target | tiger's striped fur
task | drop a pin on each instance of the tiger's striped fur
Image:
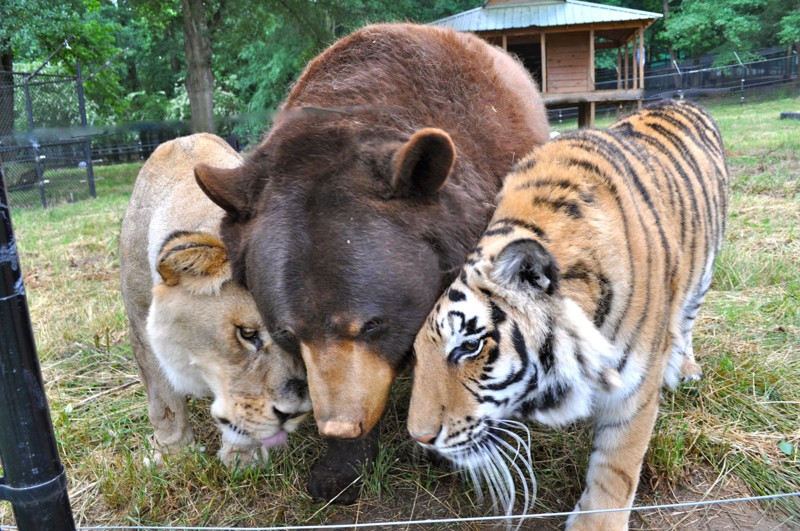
(580, 298)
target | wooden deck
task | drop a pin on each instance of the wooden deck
(587, 101)
(570, 99)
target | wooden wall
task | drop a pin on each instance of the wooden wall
(568, 60)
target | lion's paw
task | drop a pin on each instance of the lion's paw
(176, 443)
(240, 457)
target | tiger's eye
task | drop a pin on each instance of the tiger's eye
(471, 345)
(467, 349)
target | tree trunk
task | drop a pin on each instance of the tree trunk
(6, 91)
(199, 77)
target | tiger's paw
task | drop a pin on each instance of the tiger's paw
(691, 371)
(338, 476)
(615, 521)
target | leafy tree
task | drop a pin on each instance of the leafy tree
(263, 53)
(33, 29)
(699, 27)
(788, 25)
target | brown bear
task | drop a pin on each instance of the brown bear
(361, 204)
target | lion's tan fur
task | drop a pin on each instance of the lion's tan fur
(186, 314)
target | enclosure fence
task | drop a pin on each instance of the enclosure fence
(44, 149)
(509, 519)
(703, 77)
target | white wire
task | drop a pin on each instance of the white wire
(438, 521)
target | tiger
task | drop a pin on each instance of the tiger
(579, 300)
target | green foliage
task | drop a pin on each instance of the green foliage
(789, 27)
(32, 30)
(261, 46)
(698, 27)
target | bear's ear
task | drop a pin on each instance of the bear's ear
(196, 260)
(525, 263)
(227, 187)
(421, 165)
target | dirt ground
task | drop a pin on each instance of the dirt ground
(706, 485)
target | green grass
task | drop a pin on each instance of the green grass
(739, 427)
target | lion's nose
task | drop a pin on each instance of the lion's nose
(283, 416)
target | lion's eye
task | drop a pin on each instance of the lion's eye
(467, 349)
(250, 335)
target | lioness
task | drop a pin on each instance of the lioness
(193, 330)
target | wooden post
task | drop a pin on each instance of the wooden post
(619, 68)
(635, 58)
(544, 63)
(505, 42)
(627, 80)
(586, 114)
(641, 57)
(591, 61)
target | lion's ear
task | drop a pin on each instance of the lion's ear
(422, 165)
(196, 260)
(227, 187)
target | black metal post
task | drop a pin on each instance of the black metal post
(87, 149)
(34, 143)
(35, 482)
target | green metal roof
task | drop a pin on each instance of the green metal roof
(541, 14)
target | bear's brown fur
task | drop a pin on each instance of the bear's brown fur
(362, 202)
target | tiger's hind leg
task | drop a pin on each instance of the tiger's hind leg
(690, 369)
(682, 366)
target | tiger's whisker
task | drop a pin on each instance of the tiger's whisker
(490, 475)
(526, 501)
(528, 497)
(517, 438)
(499, 455)
(471, 466)
(527, 446)
(504, 485)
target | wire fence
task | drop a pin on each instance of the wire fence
(45, 157)
(767, 71)
(48, 153)
(507, 519)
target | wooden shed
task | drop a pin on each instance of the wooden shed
(557, 41)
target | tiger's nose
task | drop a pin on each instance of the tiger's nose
(425, 438)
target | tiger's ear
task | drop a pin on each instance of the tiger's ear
(227, 187)
(525, 263)
(422, 165)
(196, 260)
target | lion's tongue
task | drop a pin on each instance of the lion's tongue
(275, 440)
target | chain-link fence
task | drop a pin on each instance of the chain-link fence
(44, 151)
